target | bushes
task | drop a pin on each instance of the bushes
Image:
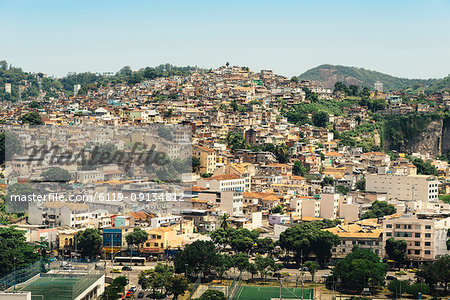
(405, 287)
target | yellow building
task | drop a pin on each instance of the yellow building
(161, 239)
(207, 158)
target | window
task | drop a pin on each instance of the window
(388, 233)
(416, 243)
(417, 227)
(417, 235)
(427, 226)
(417, 252)
(427, 243)
(427, 235)
(427, 252)
(397, 226)
(388, 225)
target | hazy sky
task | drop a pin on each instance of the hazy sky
(404, 38)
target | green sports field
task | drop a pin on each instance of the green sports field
(248, 292)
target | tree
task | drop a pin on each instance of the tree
(56, 174)
(13, 244)
(196, 258)
(327, 181)
(32, 118)
(266, 264)
(224, 263)
(282, 153)
(177, 286)
(353, 90)
(224, 221)
(320, 119)
(158, 279)
(235, 141)
(396, 250)
(379, 209)
(398, 287)
(89, 242)
(417, 288)
(240, 261)
(240, 239)
(299, 169)
(195, 162)
(116, 287)
(359, 269)
(437, 272)
(136, 237)
(4, 65)
(340, 87)
(278, 209)
(312, 268)
(212, 295)
(342, 189)
(361, 185)
(10, 144)
(424, 168)
(307, 238)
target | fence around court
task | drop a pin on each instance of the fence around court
(18, 276)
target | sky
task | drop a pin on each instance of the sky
(405, 38)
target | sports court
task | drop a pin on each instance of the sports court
(248, 292)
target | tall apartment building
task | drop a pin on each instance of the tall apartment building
(420, 189)
(225, 190)
(423, 236)
(207, 158)
(321, 206)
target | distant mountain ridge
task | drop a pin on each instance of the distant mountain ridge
(328, 75)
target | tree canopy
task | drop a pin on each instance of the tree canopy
(307, 238)
(379, 209)
(361, 268)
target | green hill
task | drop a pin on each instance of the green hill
(328, 75)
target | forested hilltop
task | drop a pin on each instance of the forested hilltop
(27, 85)
(328, 75)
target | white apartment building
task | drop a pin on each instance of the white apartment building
(415, 188)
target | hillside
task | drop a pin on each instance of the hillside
(328, 75)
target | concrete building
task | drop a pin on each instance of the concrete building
(229, 201)
(418, 189)
(356, 236)
(423, 236)
(207, 158)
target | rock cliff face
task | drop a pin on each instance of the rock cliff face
(427, 141)
(435, 139)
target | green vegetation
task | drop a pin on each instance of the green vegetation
(379, 209)
(163, 281)
(437, 272)
(396, 250)
(323, 73)
(113, 290)
(56, 174)
(424, 168)
(400, 130)
(89, 242)
(307, 238)
(13, 244)
(361, 268)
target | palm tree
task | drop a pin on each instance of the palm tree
(225, 221)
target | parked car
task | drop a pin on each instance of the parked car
(141, 294)
(127, 268)
(116, 271)
(400, 273)
(133, 288)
